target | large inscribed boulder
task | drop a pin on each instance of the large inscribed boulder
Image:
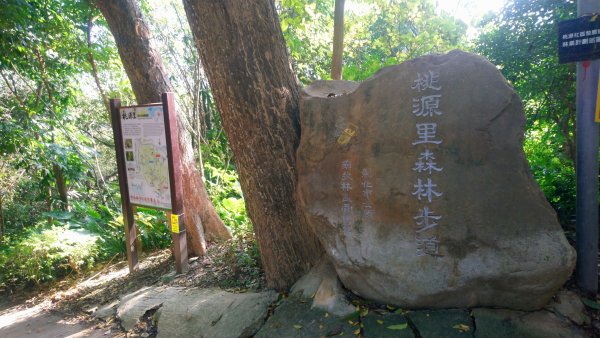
(417, 185)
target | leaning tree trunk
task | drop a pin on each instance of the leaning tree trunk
(244, 55)
(149, 80)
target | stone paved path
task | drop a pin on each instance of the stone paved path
(196, 312)
(295, 318)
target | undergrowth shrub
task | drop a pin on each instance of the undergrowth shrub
(45, 253)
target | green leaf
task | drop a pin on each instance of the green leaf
(297, 326)
(590, 303)
(397, 327)
(462, 327)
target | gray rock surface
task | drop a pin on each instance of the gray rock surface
(453, 323)
(134, 305)
(418, 187)
(214, 313)
(295, 317)
(569, 305)
(506, 323)
(383, 326)
(106, 311)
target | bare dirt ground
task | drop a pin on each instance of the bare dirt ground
(66, 308)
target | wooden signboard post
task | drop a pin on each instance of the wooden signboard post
(149, 168)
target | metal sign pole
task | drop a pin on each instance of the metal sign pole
(128, 220)
(587, 166)
(176, 218)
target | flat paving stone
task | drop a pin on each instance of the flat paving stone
(384, 326)
(492, 323)
(295, 318)
(454, 323)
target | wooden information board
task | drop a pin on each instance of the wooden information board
(149, 167)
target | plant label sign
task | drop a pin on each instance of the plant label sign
(579, 39)
(146, 159)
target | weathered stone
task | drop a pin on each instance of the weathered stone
(134, 305)
(506, 323)
(569, 305)
(322, 285)
(384, 326)
(214, 313)
(296, 318)
(455, 323)
(106, 311)
(420, 191)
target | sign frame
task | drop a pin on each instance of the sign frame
(175, 216)
(579, 39)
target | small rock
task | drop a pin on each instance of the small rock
(91, 310)
(106, 311)
(321, 283)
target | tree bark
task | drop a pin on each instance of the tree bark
(61, 186)
(2, 227)
(338, 40)
(149, 80)
(241, 46)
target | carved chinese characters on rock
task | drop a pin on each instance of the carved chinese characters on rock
(426, 108)
(364, 204)
(346, 187)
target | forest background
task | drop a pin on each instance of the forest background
(59, 197)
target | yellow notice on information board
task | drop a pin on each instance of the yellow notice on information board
(175, 223)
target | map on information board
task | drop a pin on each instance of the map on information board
(146, 160)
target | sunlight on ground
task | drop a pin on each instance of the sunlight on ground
(18, 314)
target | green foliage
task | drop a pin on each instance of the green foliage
(522, 42)
(380, 33)
(45, 253)
(307, 27)
(224, 188)
(556, 179)
(391, 32)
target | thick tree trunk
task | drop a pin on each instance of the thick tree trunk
(149, 80)
(338, 40)
(244, 55)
